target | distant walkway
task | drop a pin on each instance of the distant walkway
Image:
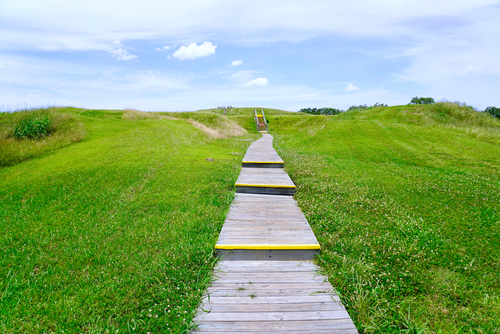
(266, 281)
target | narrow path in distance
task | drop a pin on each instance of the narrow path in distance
(266, 281)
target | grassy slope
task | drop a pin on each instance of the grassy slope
(407, 213)
(115, 232)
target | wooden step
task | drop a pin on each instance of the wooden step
(273, 181)
(266, 227)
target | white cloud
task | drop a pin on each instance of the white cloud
(257, 82)
(193, 51)
(122, 54)
(351, 88)
(237, 62)
(166, 47)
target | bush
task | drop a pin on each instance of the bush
(29, 133)
(422, 100)
(493, 111)
(33, 127)
(321, 111)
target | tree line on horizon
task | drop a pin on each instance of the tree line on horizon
(493, 111)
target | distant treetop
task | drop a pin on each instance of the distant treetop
(493, 111)
(422, 100)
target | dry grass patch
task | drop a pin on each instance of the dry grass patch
(224, 130)
(134, 114)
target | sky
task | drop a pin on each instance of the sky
(163, 55)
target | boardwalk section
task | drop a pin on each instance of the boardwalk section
(266, 227)
(266, 281)
(272, 297)
(262, 154)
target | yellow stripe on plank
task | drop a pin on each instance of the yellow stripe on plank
(263, 185)
(263, 246)
(259, 115)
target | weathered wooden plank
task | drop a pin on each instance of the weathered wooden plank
(264, 176)
(274, 316)
(260, 286)
(283, 331)
(266, 265)
(262, 293)
(296, 299)
(246, 307)
(334, 326)
(263, 255)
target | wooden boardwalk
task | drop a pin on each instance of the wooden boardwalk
(266, 281)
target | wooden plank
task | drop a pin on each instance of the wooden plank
(274, 316)
(296, 299)
(262, 293)
(263, 255)
(207, 331)
(266, 265)
(236, 308)
(333, 326)
(264, 176)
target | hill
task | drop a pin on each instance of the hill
(405, 202)
(114, 229)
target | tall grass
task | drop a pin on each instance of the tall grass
(458, 115)
(29, 133)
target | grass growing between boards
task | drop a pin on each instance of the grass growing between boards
(29, 133)
(115, 233)
(406, 207)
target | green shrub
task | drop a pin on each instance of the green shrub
(321, 111)
(33, 127)
(28, 133)
(422, 100)
(493, 111)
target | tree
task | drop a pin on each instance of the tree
(493, 111)
(422, 100)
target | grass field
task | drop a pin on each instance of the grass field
(405, 202)
(114, 233)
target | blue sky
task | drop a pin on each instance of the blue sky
(161, 55)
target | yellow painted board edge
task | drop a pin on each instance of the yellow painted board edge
(262, 246)
(263, 185)
(259, 115)
(262, 162)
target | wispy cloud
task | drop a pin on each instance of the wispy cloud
(257, 82)
(166, 47)
(122, 54)
(237, 62)
(193, 51)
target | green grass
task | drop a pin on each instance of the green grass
(116, 232)
(30, 133)
(405, 202)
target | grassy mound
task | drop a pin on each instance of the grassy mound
(25, 134)
(117, 232)
(405, 202)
